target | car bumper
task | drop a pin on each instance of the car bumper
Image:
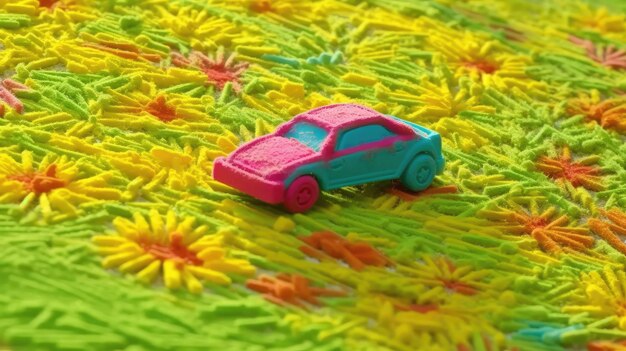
(253, 185)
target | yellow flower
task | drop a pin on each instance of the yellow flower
(553, 230)
(601, 294)
(402, 325)
(443, 98)
(599, 20)
(54, 183)
(137, 110)
(176, 249)
(440, 271)
(485, 61)
(179, 170)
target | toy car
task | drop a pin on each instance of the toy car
(331, 147)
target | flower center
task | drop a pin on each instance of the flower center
(419, 308)
(220, 75)
(482, 66)
(535, 223)
(572, 171)
(161, 110)
(47, 3)
(176, 250)
(40, 183)
(261, 6)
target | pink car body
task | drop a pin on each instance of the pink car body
(265, 167)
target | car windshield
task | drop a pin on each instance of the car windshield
(307, 134)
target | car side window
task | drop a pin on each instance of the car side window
(362, 135)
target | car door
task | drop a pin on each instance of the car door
(364, 154)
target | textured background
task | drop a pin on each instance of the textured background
(113, 235)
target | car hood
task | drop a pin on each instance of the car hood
(270, 155)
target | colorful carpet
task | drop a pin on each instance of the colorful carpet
(114, 236)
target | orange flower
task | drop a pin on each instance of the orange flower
(610, 231)
(551, 232)
(356, 254)
(577, 173)
(609, 113)
(290, 289)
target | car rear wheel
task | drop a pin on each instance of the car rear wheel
(302, 194)
(420, 173)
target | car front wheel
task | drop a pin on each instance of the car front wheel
(420, 173)
(302, 194)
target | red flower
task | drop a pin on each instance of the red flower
(608, 56)
(7, 88)
(219, 69)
